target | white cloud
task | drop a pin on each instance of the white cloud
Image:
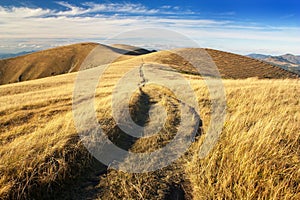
(22, 12)
(105, 8)
(28, 45)
(72, 10)
(166, 7)
(73, 25)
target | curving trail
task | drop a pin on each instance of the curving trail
(167, 183)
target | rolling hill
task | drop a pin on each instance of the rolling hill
(232, 66)
(68, 59)
(60, 60)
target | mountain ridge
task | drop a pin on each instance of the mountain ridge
(70, 58)
(59, 60)
(287, 61)
(12, 55)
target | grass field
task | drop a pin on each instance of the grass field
(256, 157)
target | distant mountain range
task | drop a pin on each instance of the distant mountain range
(288, 61)
(11, 55)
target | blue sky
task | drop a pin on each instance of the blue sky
(265, 26)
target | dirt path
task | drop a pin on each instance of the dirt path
(167, 183)
(179, 187)
(142, 76)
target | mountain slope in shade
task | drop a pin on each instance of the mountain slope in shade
(258, 56)
(59, 60)
(291, 58)
(132, 50)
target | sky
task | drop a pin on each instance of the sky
(256, 26)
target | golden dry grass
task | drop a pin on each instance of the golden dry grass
(234, 66)
(45, 63)
(230, 65)
(257, 156)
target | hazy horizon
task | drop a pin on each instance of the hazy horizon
(148, 47)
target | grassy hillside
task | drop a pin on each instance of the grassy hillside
(256, 157)
(70, 58)
(61, 60)
(237, 67)
(230, 65)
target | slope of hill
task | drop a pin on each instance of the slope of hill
(44, 63)
(230, 65)
(257, 156)
(68, 59)
(59, 60)
(236, 66)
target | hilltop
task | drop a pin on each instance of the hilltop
(68, 59)
(230, 66)
(59, 60)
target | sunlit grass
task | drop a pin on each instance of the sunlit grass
(257, 156)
